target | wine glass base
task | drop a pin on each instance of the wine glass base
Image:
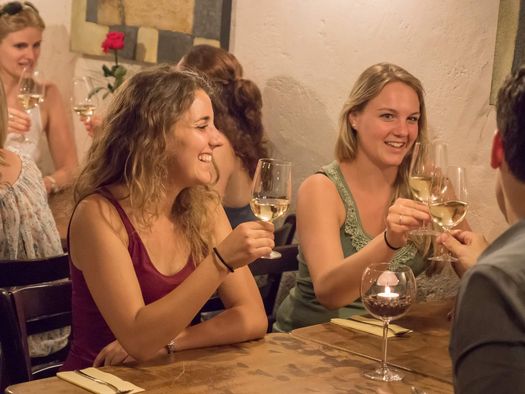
(272, 255)
(384, 374)
(424, 232)
(444, 258)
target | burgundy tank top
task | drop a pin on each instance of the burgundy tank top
(89, 330)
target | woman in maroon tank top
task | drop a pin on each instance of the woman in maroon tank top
(149, 241)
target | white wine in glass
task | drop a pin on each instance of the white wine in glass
(449, 202)
(31, 91)
(271, 191)
(426, 160)
(84, 100)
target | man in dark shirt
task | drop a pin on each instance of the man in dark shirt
(487, 344)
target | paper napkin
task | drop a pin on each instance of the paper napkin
(370, 325)
(98, 388)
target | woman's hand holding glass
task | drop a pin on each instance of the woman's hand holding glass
(271, 191)
(426, 160)
(404, 216)
(31, 92)
(246, 243)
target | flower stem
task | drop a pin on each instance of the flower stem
(116, 57)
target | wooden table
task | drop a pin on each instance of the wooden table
(424, 351)
(279, 363)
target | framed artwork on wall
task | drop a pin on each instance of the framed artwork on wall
(155, 31)
(509, 54)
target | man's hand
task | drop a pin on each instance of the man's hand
(466, 246)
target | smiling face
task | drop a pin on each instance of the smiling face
(388, 125)
(191, 144)
(19, 50)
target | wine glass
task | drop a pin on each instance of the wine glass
(426, 159)
(84, 99)
(271, 191)
(31, 91)
(387, 292)
(449, 202)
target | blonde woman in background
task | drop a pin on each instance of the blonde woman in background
(21, 29)
(27, 227)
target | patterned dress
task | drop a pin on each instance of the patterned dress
(28, 231)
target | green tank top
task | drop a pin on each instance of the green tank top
(301, 308)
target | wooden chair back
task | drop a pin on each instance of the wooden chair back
(29, 310)
(284, 235)
(17, 281)
(274, 269)
(28, 272)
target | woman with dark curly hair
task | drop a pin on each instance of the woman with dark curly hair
(237, 106)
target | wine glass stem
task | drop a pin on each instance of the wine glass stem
(385, 344)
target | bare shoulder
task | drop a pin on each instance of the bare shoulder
(96, 212)
(318, 186)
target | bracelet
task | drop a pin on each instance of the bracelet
(54, 185)
(170, 347)
(222, 260)
(388, 243)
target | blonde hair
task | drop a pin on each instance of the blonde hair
(368, 86)
(27, 16)
(131, 150)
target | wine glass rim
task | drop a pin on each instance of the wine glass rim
(382, 266)
(275, 161)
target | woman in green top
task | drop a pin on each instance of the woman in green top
(357, 210)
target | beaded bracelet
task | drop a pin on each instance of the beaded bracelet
(222, 260)
(388, 243)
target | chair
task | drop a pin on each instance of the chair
(13, 275)
(284, 235)
(28, 310)
(274, 269)
(28, 272)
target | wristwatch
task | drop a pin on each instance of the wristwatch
(170, 347)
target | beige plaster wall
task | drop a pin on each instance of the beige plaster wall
(305, 55)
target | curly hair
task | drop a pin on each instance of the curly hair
(131, 150)
(15, 16)
(237, 104)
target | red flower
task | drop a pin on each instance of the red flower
(114, 40)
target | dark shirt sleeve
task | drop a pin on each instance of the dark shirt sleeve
(487, 348)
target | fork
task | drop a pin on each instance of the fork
(100, 381)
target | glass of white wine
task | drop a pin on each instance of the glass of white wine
(426, 160)
(31, 91)
(271, 191)
(449, 203)
(83, 98)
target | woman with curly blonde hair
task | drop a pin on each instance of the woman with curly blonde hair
(357, 210)
(149, 241)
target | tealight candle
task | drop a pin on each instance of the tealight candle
(388, 294)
